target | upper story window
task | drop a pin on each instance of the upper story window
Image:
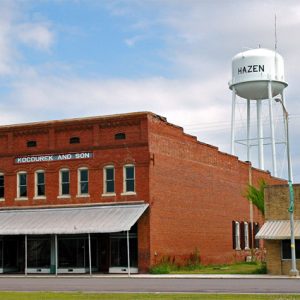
(129, 178)
(64, 182)
(1, 186)
(40, 183)
(120, 136)
(22, 185)
(31, 144)
(109, 179)
(75, 140)
(83, 181)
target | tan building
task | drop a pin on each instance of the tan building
(276, 230)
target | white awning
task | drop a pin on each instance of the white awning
(278, 230)
(75, 220)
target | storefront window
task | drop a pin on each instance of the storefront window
(118, 246)
(73, 252)
(286, 249)
(38, 252)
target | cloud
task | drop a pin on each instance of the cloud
(15, 32)
(35, 35)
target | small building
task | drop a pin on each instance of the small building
(117, 194)
(276, 230)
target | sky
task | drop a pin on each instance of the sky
(67, 59)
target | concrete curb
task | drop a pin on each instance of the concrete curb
(156, 276)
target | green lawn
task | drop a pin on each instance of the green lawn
(88, 296)
(238, 268)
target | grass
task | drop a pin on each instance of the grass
(156, 296)
(237, 268)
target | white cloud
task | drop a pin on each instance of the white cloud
(35, 35)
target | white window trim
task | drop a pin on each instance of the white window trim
(246, 235)
(105, 193)
(36, 196)
(3, 198)
(18, 188)
(60, 184)
(124, 180)
(237, 236)
(79, 194)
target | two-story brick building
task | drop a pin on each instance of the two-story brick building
(76, 195)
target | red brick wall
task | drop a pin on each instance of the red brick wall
(194, 190)
(195, 193)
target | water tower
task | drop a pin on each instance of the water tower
(257, 75)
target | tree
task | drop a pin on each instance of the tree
(256, 195)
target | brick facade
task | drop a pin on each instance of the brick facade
(276, 208)
(194, 190)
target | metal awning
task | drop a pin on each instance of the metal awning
(278, 230)
(92, 219)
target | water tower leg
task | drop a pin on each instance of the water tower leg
(233, 121)
(248, 129)
(260, 135)
(274, 163)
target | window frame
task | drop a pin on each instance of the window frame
(3, 198)
(19, 197)
(61, 195)
(246, 235)
(80, 182)
(125, 179)
(237, 236)
(105, 180)
(288, 245)
(36, 185)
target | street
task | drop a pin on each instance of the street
(151, 285)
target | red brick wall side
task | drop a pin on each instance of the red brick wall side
(195, 193)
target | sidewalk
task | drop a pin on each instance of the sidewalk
(155, 276)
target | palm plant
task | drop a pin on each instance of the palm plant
(256, 195)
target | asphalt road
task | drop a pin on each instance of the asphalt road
(170, 285)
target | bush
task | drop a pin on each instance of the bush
(164, 268)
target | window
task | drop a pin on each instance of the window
(22, 185)
(286, 249)
(1, 186)
(246, 235)
(236, 235)
(64, 178)
(75, 140)
(109, 179)
(129, 178)
(255, 231)
(120, 136)
(83, 181)
(40, 184)
(31, 144)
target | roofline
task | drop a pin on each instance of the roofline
(90, 119)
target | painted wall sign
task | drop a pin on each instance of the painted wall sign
(251, 69)
(54, 157)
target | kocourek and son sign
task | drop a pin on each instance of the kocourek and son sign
(54, 157)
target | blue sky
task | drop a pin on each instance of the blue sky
(64, 59)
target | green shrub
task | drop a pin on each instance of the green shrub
(164, 268)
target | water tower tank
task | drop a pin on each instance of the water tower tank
(253, 69)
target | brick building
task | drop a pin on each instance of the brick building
(79, 195)
(276, 230)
